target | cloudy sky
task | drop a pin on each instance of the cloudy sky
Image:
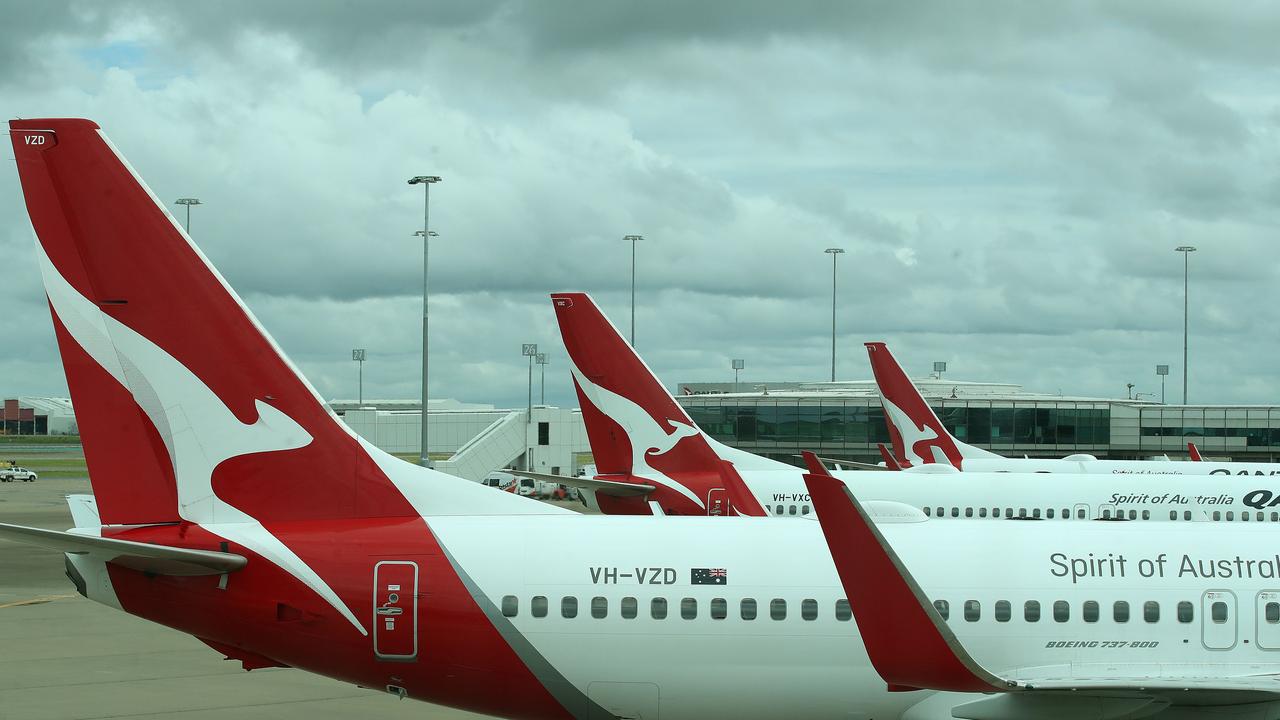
(1009, 181)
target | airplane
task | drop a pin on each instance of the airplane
(1108, 621)
(653, 458)
(231, 504)
(919, 438)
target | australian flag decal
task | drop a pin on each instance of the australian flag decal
(708, 576)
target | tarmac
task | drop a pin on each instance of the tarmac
(63, 657)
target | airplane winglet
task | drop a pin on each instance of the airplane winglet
(907, 640)
(1194, 452)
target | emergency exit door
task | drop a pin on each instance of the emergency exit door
(1218, 619)
(395, 611)
(717, 502)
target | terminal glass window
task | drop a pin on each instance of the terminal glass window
(510, 605)
(658, 608)
(544, 433)
(629, 607)
(599, 607)
(748, 609)
(569, 607)
(538, 606)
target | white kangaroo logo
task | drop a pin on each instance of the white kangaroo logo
(912, 434)
(198, 429)
(648, 438)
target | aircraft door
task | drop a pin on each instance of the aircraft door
(1267, 619)
(717, 502)
(1218, 619)
(1080, 512)
(1107, 511)
(395, 611)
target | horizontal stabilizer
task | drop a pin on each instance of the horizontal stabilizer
(146, 557)
(607, 487)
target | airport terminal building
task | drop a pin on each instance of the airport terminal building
(845, 420)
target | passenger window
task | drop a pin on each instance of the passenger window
(569, 607)
(968, 512)
(1244, 516)
(658, 608)
(748, 609)
(689, 608)
(995, 512)
(1080, 514)
(1061, 611)
(1231, 515)
(944, 608)
(599, 607)
(1260, 516)
(1066, 514)
(510, 605)
(928, 511)
(1217, 516)
(939, 512)
(1031, 611)
(1173, 514)
(955, 512)
(1275, 516)
(804, 509)
(538, 606)
(1186, 514)
(779, 512)
(1218, 611)
(809, 609)
(1146, 514)
(1133, 514)
(844, 613)
(1273, 612)
(1049, 513)
(1186, 612)
(972, 610)
(982, 512)
(1022, 512)
(629, 608)
(1008, 513)
(719, 609)
(1090, 611)
(1036, 513)
(1120, 611)
(1106, 514)
(791, 510)
(778, 609)
(1003, 611)
(1151, 611)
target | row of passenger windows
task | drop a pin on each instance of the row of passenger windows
(629, 608)
(1090, 611)
(1082, 514)
(791, 510)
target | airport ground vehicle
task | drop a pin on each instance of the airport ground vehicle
(498, 479)
(15, 474)
(653, 458)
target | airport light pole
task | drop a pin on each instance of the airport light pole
(1186, 251)
(426, 181)
(834, 252)
(542, 360)
(737, 366)
(358, 356)
(634, 239)
(1163, 372)
(188, 202)
(529, 350)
